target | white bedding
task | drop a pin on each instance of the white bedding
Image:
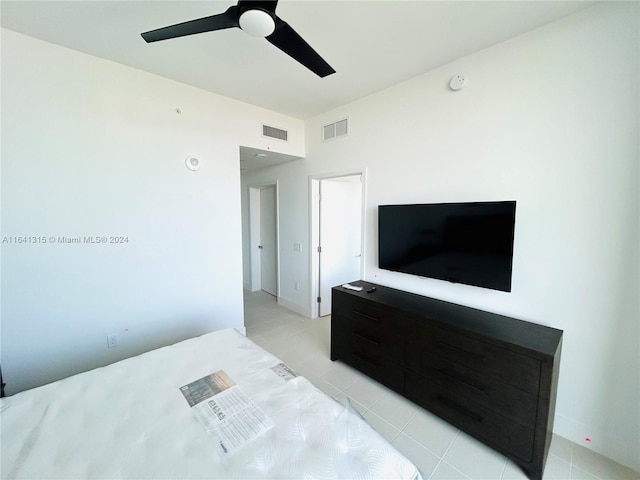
(130, 420)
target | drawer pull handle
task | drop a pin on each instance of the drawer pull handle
(366, 339)
(366, 317)
(459, 408)
(365, 358)
(453, 348)
(460, 379)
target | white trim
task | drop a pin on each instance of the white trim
(293, 306)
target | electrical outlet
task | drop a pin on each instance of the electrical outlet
(113, 340)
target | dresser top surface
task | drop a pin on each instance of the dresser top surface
(537, 340)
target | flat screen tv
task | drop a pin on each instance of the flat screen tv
(469, 243)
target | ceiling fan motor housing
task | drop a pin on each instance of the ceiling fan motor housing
(257, 22)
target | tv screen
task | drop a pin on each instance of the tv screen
(469, 243)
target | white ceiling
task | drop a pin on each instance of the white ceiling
(371, 44)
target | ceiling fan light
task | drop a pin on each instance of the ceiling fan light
(257, 23)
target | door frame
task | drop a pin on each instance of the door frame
(254, 235)
(314, 230)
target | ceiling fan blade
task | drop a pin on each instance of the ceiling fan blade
(268, 5)
(228, 19)
(286, 39)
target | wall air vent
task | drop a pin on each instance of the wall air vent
(335, 130)
(273, 132)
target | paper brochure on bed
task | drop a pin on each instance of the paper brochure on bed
(206, 387)
(225, 411)
(284, 372)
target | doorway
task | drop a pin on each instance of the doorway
(337, 232)
(268, 241)
(264, 241)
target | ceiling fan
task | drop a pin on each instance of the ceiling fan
(257, 18)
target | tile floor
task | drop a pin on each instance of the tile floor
(441, 451)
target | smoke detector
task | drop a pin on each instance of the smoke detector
(458, 82)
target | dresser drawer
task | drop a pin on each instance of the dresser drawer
(363, 312)
(385, 342)
(493, 394)
(475, 419)
(369, 359)
(356, 319)
(509, 367)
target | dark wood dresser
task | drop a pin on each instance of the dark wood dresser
(492, 376)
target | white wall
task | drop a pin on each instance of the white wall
(93, 148)
(549, 119)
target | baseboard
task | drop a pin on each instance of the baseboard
(614, 447)
(249, 288)
(294, 307)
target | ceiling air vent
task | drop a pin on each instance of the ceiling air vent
(273, 132)
(335, 130)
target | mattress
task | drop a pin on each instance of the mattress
(144, 417)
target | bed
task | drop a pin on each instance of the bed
(215, 406)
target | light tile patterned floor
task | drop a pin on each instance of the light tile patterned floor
(440, 451)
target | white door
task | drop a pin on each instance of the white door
(340, 235)
(268, 241)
